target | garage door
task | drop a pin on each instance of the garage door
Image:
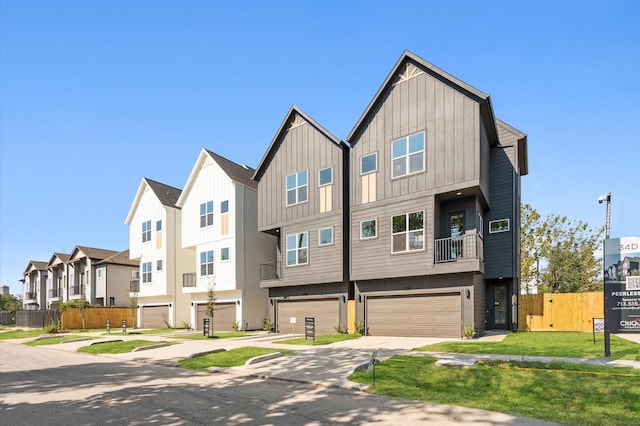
(436, 315)
(224, 315)
(325, 311)
(155, 316)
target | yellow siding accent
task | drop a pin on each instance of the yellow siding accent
(351, 316)
(369, 188)
(158, 240)
(326, 198)
(224, 224)
(560, 311)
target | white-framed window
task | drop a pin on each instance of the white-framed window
(407, 232)
(407, 155)
(480, 225)
(368, 163)
(206, 214)
(224, 207)
(206, 263)
(146, 231)
(325, 236)
(159, 265)
(325, 176)
(500, 225)
(297, 185)
(368, 229)
(224, 254)
(298, 249)
(146, 272)
(158, 225)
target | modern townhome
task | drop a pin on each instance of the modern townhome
(220, 232)
(154, 241)
(302, 202)
(113, 279)
(34, 286)
(57, 280)
(81, 272)
(435, 198)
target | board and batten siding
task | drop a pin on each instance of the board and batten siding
(149, 208)
(452, 127)
(303, 147)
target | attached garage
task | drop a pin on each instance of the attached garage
(432, 315)
(325, 311)
(154, 316)
(224, 315)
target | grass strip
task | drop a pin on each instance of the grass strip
(231, 358)
(118, 347)
(322, 339)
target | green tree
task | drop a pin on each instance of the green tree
(211, 304)
(558, 254)
(10, 303)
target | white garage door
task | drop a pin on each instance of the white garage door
(436, 315)
(325, 311)
(155, 316)
(224, 315)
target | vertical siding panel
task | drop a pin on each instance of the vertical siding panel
(438, 124)
(460, 153)
(448, 136)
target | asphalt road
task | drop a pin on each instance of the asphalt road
(43, 386)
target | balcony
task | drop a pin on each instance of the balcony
(55, 293)
(189, 280)
(453, 249)
(134, 286)
(270, 271)
(77, 290)
(30, 295)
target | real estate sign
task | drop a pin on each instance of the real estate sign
(622, 285)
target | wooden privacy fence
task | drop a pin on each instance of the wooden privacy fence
(37, 319)
(559, 311)
(96, 318)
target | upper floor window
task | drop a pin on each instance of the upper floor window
(407, 232)
(500, 225)
(325, 237)
(298, 249)
(224, 207)
(146, 231)
(159, 225)
(407, 155)
(206, 263)
(297, 188)
(146, 272)
(325, 176)
(206, 214)
(368, 229)
(368, 163)
(159, 265)
(224, 253)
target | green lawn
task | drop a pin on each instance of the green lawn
(322, 339)
(545, 343)
(54, 340)
(575, 394)
(219, 335)
(21, 334)
(117, 347)
(231, 358)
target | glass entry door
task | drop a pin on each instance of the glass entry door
(456, 227)
(497, 307)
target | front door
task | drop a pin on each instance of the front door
(497, 307)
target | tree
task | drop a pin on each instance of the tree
(133, 306)
(558, 254)
(82, 304)
(10, 303)
(211, 305)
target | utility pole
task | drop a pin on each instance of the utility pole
(607, 336)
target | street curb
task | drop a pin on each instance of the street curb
(262, 358)
(197, 354)
(148, 347)
(80, 339)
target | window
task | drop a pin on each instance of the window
(206, 263)
(368, 163)
(224, 207)
(158, 225)
(368, 229)
(146, 272)
(480, 225)
(407, 232)
(159, 265)
(224, 254)
(407, 155)
(224, 217)
(325, 237)
(325, 176)
(146, 231)
(297, 249)
(206, 214)
(297, 188)
(501, 225)
(99, 271)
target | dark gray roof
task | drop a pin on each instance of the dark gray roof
(62, 256)
(121, 258)
(37, 264)
(94, 253)
(236, 172)
(168, 195)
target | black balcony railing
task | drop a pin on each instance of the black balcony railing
(270, 271)
(30, 295)
(134, 286)
(55, 293)
(189, 280)
(77, 290)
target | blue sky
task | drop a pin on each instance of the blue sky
(95, 95)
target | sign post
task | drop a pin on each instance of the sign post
(292, 321)
(372, 365)
(108, 327)
(598, 327)
(309, 328)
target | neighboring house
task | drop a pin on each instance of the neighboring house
(113, 279)
(81, 272)
(154, 241)
(302, 201)
(34, 286)
(57, 280)
(435, 201)
(220, 232)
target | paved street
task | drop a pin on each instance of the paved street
(41, 385)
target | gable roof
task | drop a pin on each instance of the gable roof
(64, 258)
(36, 265)
(167, 195)
(273, 147)
(523, 159)
(91, 253)
(121, 258)
(235, 172)
(486, 109)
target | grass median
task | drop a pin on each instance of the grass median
(231, 358)
(119, 347)
(321, 339)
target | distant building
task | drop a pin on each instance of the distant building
(4, 289)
